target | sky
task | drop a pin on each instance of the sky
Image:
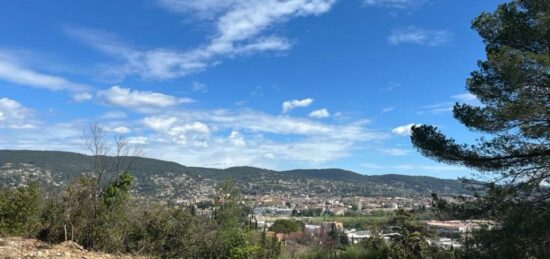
(278, 84)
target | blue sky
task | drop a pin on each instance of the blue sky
(219, 83)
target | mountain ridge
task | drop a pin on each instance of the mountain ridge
(154, 174)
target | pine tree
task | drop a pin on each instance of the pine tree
(513, 87)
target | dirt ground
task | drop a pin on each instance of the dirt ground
(16, 247)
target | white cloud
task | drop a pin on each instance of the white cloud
(245, 137)
(121, 130)
(445, 107)
(292, 104)
(80, 97)
(239, 24)
(414, 35)
(139, 140)
(396, 151)
(11, 70)
(113, 115)
(237, 139)
(437, 108)
(388, 109)
(218, 138)
(14, 115)
(319, 114)
(194, 133)
(398, 4)
(198, 87)
(465, 98)
(428, 167)
(204, 9)
(404, 130)
(159, 123)
(416, 167)
(138, 100)
(372, 166)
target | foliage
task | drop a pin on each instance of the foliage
(286, 226)
(20, 210)
(114, 222)
(513, 86)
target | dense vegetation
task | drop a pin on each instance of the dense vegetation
(109, 220)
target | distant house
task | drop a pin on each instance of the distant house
(457, 226)
(205, 213)
(391, 206)
(332, 225)
(338, 211)
(448, 243)
(273, 211)
(312, 228)
(356, 236)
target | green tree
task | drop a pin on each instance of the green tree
(231, 240)
(20, 210)
(286, 226)
(513, 86)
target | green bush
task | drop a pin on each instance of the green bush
(20, 210)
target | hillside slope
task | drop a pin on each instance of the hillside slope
(166, 180)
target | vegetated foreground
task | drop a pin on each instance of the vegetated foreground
(16, 247)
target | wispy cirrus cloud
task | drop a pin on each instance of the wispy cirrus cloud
(240, 30)
(13, 70)
(447, 106)
(398, 4)
(419, 36)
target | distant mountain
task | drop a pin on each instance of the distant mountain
(169, 180)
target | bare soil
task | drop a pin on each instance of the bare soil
(17, 247)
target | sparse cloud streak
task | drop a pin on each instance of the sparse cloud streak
(14, 72)
(397, 4)
(419, 36)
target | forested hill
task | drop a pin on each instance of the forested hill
(165, 179)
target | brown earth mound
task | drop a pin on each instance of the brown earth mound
(16, 247)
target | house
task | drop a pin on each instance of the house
(356, 236)
(457, 226)
(332, 225)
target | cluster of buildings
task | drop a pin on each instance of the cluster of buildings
(335, 206)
